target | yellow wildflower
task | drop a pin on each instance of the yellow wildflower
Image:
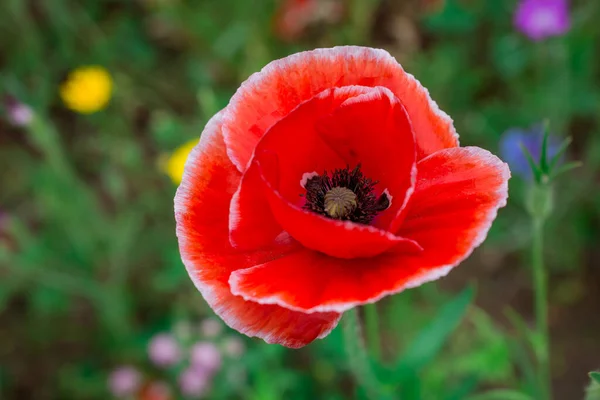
(174, 164)
(87, 89)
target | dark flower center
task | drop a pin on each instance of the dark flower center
(345, 194)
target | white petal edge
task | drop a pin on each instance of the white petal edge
(210, 295)
(334, 53)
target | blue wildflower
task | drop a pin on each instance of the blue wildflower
(532, 138)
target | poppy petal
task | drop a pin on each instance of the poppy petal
(252, 225)
(457, 195)
(373, 130)
(309, 281)
(339, 127)
(271, 94)
(201, 212)
(456, 198)
(249, 208)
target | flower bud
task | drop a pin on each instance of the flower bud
(540, 199)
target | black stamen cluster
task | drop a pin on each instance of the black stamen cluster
(368, 204)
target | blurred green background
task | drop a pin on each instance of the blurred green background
(89, 266)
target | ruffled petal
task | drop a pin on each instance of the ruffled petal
(249, 209)
(252, 225)
(373, 130)
(309, 281)
(456, 198)
(271, 94)
(339, 127)
(201, 212)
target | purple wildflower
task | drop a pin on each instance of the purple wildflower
(194, 382)
(19, 114)
(164, 350)
(205, 355)
(511, 152)
(539, 19)
(124, 381)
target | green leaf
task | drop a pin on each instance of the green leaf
(501, 394)
(566, 168)
(544, 155)
(410, 388)
(523, 361)
(537, 172)
(523, 330)
(559, 153)
(425, 347)
(592, 392)
(483, 344)
(463, 389)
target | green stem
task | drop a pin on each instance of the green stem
(541, 308)
(372, 326)
(357, 355)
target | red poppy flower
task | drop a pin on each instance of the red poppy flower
(330, 180)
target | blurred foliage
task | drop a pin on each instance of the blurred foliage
(593, 390)
(89, 265)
